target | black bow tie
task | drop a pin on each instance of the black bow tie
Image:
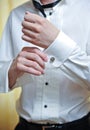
(42, 7)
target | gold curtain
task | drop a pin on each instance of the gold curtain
(8, 115)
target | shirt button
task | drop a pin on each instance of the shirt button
(50, 13)
(52, 59)
(45, 106)
(46, 83)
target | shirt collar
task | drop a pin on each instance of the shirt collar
(70, 1)
(49, 11)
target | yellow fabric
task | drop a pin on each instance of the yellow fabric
(5, 8)
(8, 115)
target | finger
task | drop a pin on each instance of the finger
(26, 57)
(29, 70)
(28, 33)
(31, 26)
(32, 64)
(34, 18)
(28, 39)
(41, 54)
(36, 51)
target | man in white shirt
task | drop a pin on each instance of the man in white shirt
(47, 53)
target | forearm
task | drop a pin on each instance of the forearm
(12, 79)
(13, 74)
(73, 61)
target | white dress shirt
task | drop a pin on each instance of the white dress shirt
(61, 94)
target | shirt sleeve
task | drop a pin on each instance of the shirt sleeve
(74, 63)
(6, 55)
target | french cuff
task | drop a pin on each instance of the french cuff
(60, 49)
(4, 84)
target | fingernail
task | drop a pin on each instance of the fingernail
(26, 12)
(43, 72)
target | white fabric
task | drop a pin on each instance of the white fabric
(67, 71)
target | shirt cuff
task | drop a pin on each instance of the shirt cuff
(61, 48)
(4, 85)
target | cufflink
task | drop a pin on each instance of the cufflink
(52, 59)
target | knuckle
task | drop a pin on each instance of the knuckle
(35, 56)
(28, 69)
(43, 64)
(39, 29)
(41, 21)
(23, 53)
(38, 36)
(24, 48)
(35, 65)
(18, 66)
(34, 40)
(20, 54)
(36, 51)
(22, 23)
(18, 59)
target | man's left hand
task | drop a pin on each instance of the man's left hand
(38, 30)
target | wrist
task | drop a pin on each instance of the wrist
(13, 74)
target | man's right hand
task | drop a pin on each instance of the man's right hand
(30, 60)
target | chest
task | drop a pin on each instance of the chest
(73, 23)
